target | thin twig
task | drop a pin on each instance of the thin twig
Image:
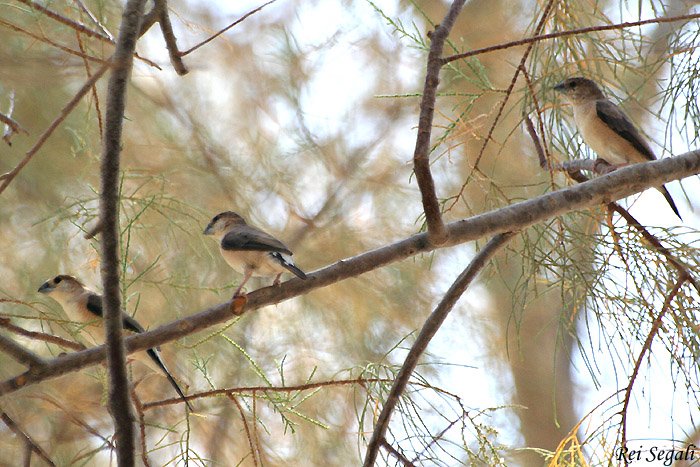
(573, 32)
(94, 20)
(405, 462)
(142, 425)
(11, 126)
(247, 429)
(508, 92)
(46, 40)
(656, 325)
(431, 326)
(67, 109)
(254, 389)
(6, 324)
(31, 445)
(186, 52)
(94, 87)
(617, 185)
(437, 234)
(81, 28)
(170, 40)
(122, 63)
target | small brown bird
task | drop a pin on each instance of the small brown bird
(84, 306)
(606, 129)
(250, 251)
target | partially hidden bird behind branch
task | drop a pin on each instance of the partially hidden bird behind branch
(606, 129)
(84, 306)
(250, 251)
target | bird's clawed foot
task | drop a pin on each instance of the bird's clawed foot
(238, 302)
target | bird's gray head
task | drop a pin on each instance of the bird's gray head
(61, 283)
(222, 222)
(579, 90)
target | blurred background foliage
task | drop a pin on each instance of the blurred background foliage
(302, 119)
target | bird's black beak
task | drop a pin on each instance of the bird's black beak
(209, 230)
(45, 288)
(559, 87)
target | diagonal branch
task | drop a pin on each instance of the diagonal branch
(28, 441)
(209, 39)
(656, 325)
(122, 61)
(7, 178)
(19, 353)
(11, 126)
(42, 336)
(166, 28)
(431, 326)
(67, 109)
(437, 233)
(619, 184)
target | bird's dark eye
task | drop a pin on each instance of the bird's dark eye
(57, 279)
(216, 218)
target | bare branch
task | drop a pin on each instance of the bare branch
(19, 353)
(6, 324)
(31, 445)
(401, 458)
(619, 184)
(170, 41)
(431, 326)
(122, 61)
(95, 21)
(9, 176)
(254, 389)
(186, 52)
(80, 27)
(421, 155)
(252, 447)
(11, 126)
(656, 325)
(46, 40)
(573, 32)
(508, 92)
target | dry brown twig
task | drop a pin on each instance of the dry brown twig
(32, 446)
(12, 127)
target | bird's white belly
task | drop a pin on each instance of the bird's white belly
(602, 140)
(258, 262)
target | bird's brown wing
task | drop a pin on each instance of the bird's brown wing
(248, 238)
(623, 126)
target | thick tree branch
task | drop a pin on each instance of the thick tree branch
(122, 61)
(431, 326)
(619, 184)
(437, 233)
